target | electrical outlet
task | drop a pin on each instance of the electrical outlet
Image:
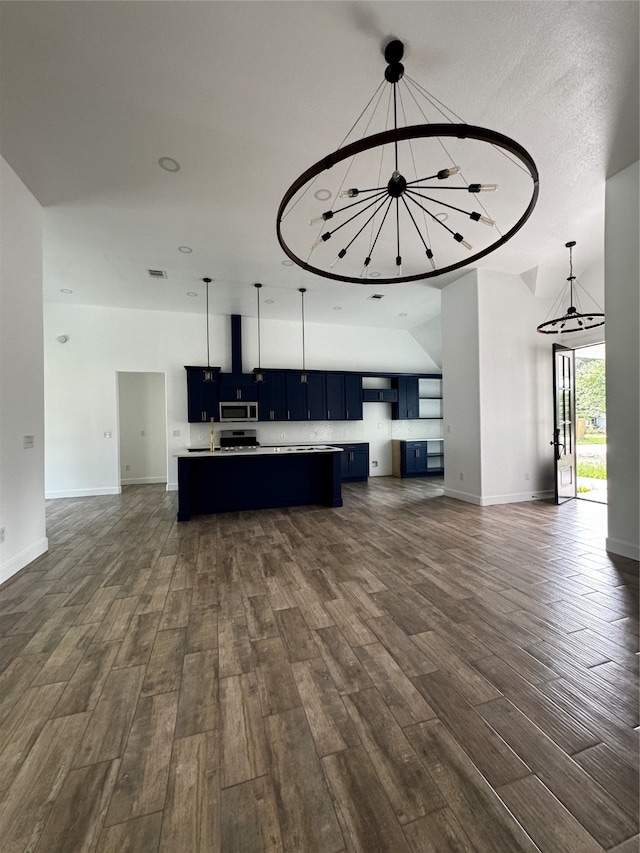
(374, 464)
(27, 442)
(142, 433)
(2, 531)
(461, 475)
(127, 467)
(281, 435)
(108, 433)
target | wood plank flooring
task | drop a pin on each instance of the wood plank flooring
(405, 674)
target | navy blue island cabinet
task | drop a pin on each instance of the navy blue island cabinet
(258, 479)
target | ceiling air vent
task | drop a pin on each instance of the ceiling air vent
(157, 273)
(376, 296)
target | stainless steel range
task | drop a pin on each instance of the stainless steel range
(238, 439)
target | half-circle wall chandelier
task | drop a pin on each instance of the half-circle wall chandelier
(406, 199)
(574, 319)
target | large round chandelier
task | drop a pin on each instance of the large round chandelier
(400, 201)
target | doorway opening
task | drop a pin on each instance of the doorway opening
(142, 428)
(591, 423)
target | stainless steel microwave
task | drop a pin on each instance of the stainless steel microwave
(238, 411)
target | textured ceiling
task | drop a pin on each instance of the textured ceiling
(246, 95)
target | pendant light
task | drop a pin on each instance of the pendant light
(406, 199)
(258, 373)
(574, 319)
(304, 376)
(209, 374)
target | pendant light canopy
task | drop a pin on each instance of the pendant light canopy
(258, 373)
(406, 199)
(304, 376)
(574, 319)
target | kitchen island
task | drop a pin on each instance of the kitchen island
(258, 478)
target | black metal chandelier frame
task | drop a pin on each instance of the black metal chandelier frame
(408, 196)
(574, 319)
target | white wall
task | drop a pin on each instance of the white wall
(461, 389)
(21, 376)
(142, 428)
(497, 390)
(622, 329)
(81, 380)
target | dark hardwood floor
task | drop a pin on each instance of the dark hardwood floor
(406, 674)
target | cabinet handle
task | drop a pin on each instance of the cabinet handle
(351, 457)
(328, 414)
(272, 414)
(308, 415)
(417, 451)
(288, 415)
(347, 414)
(239, 394)
(204, 416)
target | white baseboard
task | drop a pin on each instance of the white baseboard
(624, 549)
(23, 559)
(493, 500)
(172, 487)
(142, 481)
(83, 493)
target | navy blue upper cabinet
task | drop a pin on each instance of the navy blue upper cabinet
(353, 396)
(379, 395)
(237, 386)
(336, 402)
(272, 397)
(408, 396)
(296, 398)
(202, 395)
(316, 397)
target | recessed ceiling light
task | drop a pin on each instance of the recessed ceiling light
(169, 164)
(442, 216)
(65, 290)
(268, 301)
(374, 275)
(402, 315)
(287, 262)
(337, 307)
(185, 249)
(376, 296)
(322, 195)
(191, 293)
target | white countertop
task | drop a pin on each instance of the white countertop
(261, 451)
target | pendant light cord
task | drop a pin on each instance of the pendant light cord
(207, 281)
(302, 292)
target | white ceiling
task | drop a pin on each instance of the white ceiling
(247, 95)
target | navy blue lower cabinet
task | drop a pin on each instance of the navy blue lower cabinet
(355, 462)
(422, 458)
(218, 482)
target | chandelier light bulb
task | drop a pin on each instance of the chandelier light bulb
(487, 221)
(352, 193)
(446, 173)
(341, 254)
(466, 244)
(328, 214)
